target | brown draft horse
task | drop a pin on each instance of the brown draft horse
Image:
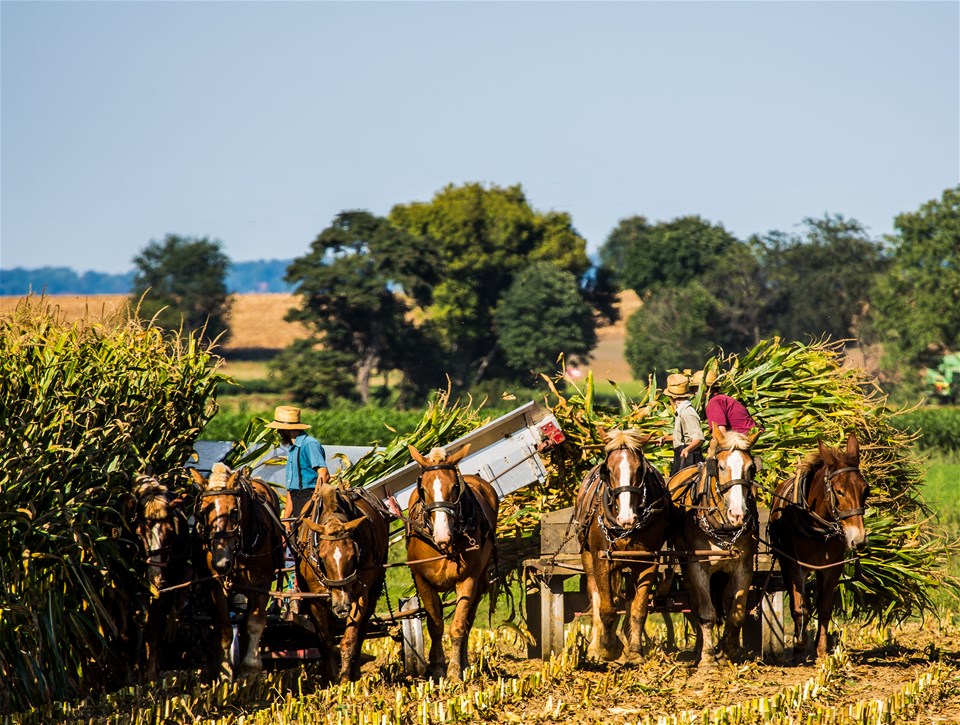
(240, 542)
(342, 550)
(815, 519)
(719, 510)
(162, 532)
(451, 542)
(621, 515)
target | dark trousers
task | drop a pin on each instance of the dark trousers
(680, 462)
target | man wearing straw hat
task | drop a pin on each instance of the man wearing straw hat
(306, 459)
(687, 431)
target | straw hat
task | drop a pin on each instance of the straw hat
(699, 378)
(678, 386)
(286, 417)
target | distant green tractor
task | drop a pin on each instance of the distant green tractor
(942, 383)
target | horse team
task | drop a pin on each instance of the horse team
(625, 515)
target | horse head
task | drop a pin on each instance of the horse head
(845, 490)
(439, 489)
(336, 551)
(730, 464)
(160, 527)
(622, 470)
(219, 517)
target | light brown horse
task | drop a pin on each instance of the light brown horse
(816, 518)
(717, 503)
(621, 514)
(451, 543)
(240, 541)
(162, 533)
(342, 551)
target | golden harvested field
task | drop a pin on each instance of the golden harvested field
(257, 323)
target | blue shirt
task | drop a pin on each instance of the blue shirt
(305, 456)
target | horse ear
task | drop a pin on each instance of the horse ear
(417, 456)
(646, 439)
(197, 477)
(716, 433)
(459, 455)
(826, 454)
(853, 447)
(753, 435)
(604, 434)
(351, 525)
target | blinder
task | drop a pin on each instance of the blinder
(840, 514)
(349, 579)
(450, 506)
(203, 526)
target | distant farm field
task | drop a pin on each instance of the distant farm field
(257, 323)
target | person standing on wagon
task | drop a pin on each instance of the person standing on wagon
(687, 434)
(306, 459)
(724, 412)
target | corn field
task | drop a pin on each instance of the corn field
(83, 408)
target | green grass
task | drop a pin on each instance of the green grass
(941, 491)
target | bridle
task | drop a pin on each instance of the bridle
(233, 532)
(175, 515)
(644, 511)
(725, 533)
(832, 527)
(349, 579)
(452, 507)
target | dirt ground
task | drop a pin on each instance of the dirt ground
(880, 664)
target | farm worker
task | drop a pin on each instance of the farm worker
(722, 411)
(306, 459)
(687, 431)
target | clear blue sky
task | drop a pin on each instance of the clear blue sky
(255, 122)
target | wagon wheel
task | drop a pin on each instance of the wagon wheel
(411, 629)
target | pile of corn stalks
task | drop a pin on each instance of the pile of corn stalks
(83, 408)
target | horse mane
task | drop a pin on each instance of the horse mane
(437, 455)
(734, 441)
(149, 488)
(630, 438)
(219, 476)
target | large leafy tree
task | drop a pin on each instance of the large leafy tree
(916, 303)
(542, 315)
(819, 281)
(356, 285)
(181, 282)
(647, 257)
(480, 238)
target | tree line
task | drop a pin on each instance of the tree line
(478, 286)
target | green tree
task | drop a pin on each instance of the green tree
(181, 282)
(647, 256)
(542, 315)
(819, 281)
(355, 286)
(673, 329)
(916, 303)
(480, 238)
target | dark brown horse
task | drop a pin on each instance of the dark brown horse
(816, 518)
(621, 515)
(342, 551)
(240, 541)
(718, 535)
(451, 543)
(163, 536)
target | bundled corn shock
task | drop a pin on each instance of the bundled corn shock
(799, 393)
(83, 407)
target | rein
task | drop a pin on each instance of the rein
(645, 512)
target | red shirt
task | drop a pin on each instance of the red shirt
(724, 410)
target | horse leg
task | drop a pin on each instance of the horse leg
(221, 618)
(605, 643)
(638, 609)
(320, 616)
(253, 624)
(158, 614)
(353, 637)
(430, 601)
(827, 581)
(735, 604)
(697, 578)
(794, 579)
(468, 596)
